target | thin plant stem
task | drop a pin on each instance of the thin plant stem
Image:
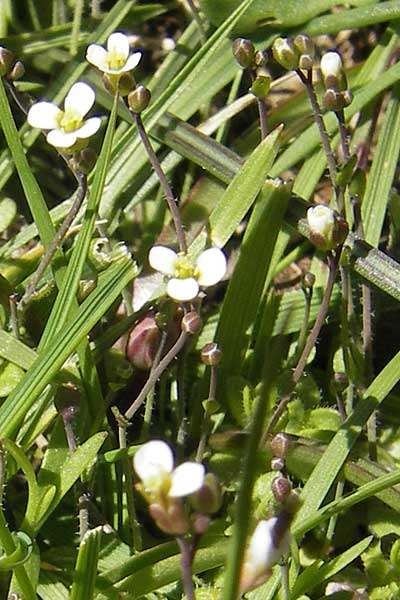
(344, 135)
(169, 195)
(198, 21)
(212, 393)
(76, 26)
(332, 521)
(182, 416)
(186, 565)
(285, 581)
(34, 15)
(58, 238)
(150, 396)
(2, 474)
(316, 109)
(367, 349)
(13, 300)
(158, 371)
(312, 338)
(128, 484)
(306, 317)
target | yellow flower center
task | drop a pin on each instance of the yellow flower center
(184, 268)
(69, 120)
(115, 60)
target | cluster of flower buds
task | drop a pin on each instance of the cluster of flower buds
(254, 60)
(9, 67)
(296, 53)
(165, 487)
(326, 229)
(336, 95)
(271, 538)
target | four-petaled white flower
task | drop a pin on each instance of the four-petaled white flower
(68, 125)
(321, 220)
(154, 464)
(331, 65)
(266, 547)
(186, 276)
(116, 59)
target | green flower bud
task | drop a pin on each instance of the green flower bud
(244, 52)
(208, 498)
(304, 44)
(16, 72)
(261, 58)
(285, 53)
(261, 85)
(84, 160)
(306, 62)
(139, 99)
(6, 60)
(326, 229)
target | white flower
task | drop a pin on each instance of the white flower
(331, 65)
(187, 276)
(68, 125)
(263, 551)
(115, 60)
(154, 464)
(321, 220)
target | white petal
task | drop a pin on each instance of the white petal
(152, 458)
(133, 61)
(80, 98)
(118, 42)
(97, 55)
(182, 290)
(212, 266)
(90, 127)
(186, 479)
(163, 259)
(60, 139)
(321, 219)
(261, 553)
(43, 115)
(331, 64)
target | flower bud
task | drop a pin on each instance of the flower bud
(16, 72)
(85, 160)
(327, 230)
(260, 86)
(277, 464)
(6, 60)
(334, 100)
(191, 322)
(126, 84)
(200, 523)
(244, 52)
(285, 53)
(172, 520)
(208, 498)
(281, 489)
(306, 62)
(143, 342)
(331, 70)
(304, 44)
(211, 354)
(139, 99)
(260, 58)
(308, 280)
(280, 445)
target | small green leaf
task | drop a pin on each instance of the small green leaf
(86, 565)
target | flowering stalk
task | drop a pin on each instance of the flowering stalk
(307, 81)
(169, 195)
(58, 238)
(333, 260)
